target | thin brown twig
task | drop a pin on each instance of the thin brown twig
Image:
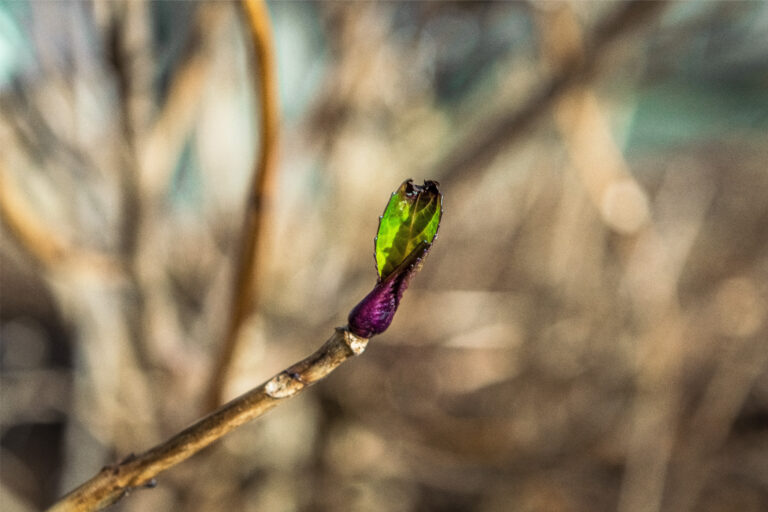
(115, 481)
(252, 246)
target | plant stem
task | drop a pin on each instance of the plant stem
(115, 481)
(252, 250)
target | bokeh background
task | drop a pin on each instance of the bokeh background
(589, 333)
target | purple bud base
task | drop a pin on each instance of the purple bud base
(375, 312)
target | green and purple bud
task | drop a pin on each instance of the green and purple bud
(407, 230)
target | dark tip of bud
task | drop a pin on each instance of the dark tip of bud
(410, 188)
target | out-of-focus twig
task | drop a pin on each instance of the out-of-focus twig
(586, 131)
(40, 243)
(43, 245)
(252, 246)
(496, 134)
(624, 205)
(743, 363)
(113, 482)
(168, 133)
(165, 139)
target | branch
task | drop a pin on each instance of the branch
(40, 243)
(115, 481)
(252, 242)
(412, 216)
(597, 158)
(43, 245)
(479, 148)
(167, 136)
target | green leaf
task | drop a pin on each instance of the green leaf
(411, 217)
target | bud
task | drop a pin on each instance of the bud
(407, 230)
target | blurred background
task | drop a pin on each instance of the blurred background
(589, 333)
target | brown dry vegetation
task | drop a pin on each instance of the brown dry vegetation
(590, 331)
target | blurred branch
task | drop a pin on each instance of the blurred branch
(496, 134)
(42, 244)
(32, 235)
(168, 134)
(252, 245)
(131, 58)
(742, 364)
(115, 481)
(585, 129)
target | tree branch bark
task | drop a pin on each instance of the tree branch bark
(115, 481)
